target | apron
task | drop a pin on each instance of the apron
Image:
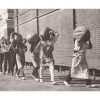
(80, 70)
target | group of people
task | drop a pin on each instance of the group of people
(12, 53)
(42, 46)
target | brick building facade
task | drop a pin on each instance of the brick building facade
(30, 21)
(6, 21)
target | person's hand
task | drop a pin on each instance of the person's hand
(40, 38)
(57, 34)
(76, 65)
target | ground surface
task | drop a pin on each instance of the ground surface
(12, 83)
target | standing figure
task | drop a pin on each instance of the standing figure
(5, 46)
(34, 41)
(21, 48)
(46, 54)
(1, 55)
(79, 68)
(12, 52)
(35, 62)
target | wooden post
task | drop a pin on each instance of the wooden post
(17, 21)
(37, 15)
(94, 74)
(74, 19)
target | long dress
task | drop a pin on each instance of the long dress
(79, 68)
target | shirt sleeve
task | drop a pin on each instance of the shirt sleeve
(77, 46)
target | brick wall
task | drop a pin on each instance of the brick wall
(61, 20)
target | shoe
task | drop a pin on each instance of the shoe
(23, 78)
(0, 72)
(6, 72)
(54, 83)
(41, 80)
(91, 86)
(17, 76)
(36, 79)
(11, 74)
(66, 83)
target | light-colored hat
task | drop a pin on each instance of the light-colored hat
(79, 32)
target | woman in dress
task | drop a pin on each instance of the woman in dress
(5, 45)
(79, 68)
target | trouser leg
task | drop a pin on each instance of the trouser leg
(16, 67)
(1, 61)
(35, 72)
(37, 75)
(51, 67)
(69, 78)
(12, 63)
(35, 64)
(18, 71)
(22, 72)
(41, 72)
(88, 81)
(5, 61)
(8, 59)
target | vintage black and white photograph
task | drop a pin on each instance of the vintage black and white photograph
(49, 49)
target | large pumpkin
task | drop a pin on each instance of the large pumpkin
(19, 38)
(45, 34)
(81, 33)
(33, 39)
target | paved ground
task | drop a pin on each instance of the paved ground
(12, 83)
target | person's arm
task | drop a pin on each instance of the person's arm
(89, 44)
(39, 44)
(55, 38)
(77, 45)
(10, 46)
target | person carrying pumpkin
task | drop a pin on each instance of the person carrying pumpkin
(79, 67)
